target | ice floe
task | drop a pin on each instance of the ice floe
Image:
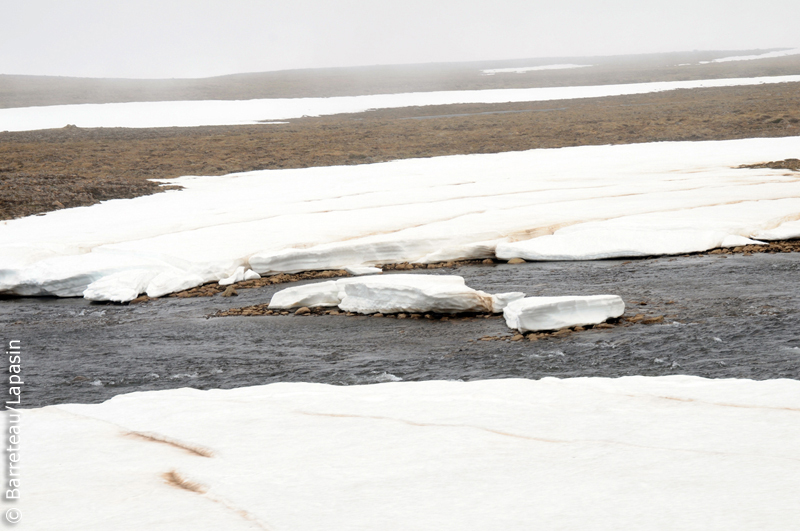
(394, 294)
(555, 204)
(552, 313)
(640, 453)
(227, 112)
(523, 69)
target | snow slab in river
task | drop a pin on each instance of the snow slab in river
(394, 294)
(641, 453)
(552, 313)
(580, 202)
(225, 112)
(523, 69)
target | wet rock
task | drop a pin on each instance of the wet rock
(230, 291)
(516, 261)
(653, 320)
(303, 310)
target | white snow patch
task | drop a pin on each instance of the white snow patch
(501, 300)
(769, 55)
(317, 294)
(122, 286)
(675, 452)
(358, 270)
(785, 231)
(594, 243)
(225, 112)
(239, 275)
(523, 69)
(552, 313)
(388, 377)
(571, 203)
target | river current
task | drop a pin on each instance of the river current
(725, 317)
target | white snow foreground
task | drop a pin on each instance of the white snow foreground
(675, 452)
(552, 204)
(236, 112)
(395, 294)
(552, 313)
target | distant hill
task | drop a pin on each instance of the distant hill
(24, 91)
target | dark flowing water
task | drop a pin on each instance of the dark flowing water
(732, 317)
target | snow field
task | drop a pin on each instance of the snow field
(573, 203)
(641, 453)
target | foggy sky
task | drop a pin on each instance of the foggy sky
(199, 38)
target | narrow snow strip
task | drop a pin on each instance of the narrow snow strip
(223, 112)
(573, 203)
(769, 55)
(649, 454)
(522, 70)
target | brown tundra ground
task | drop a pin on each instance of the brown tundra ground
(51, 169)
